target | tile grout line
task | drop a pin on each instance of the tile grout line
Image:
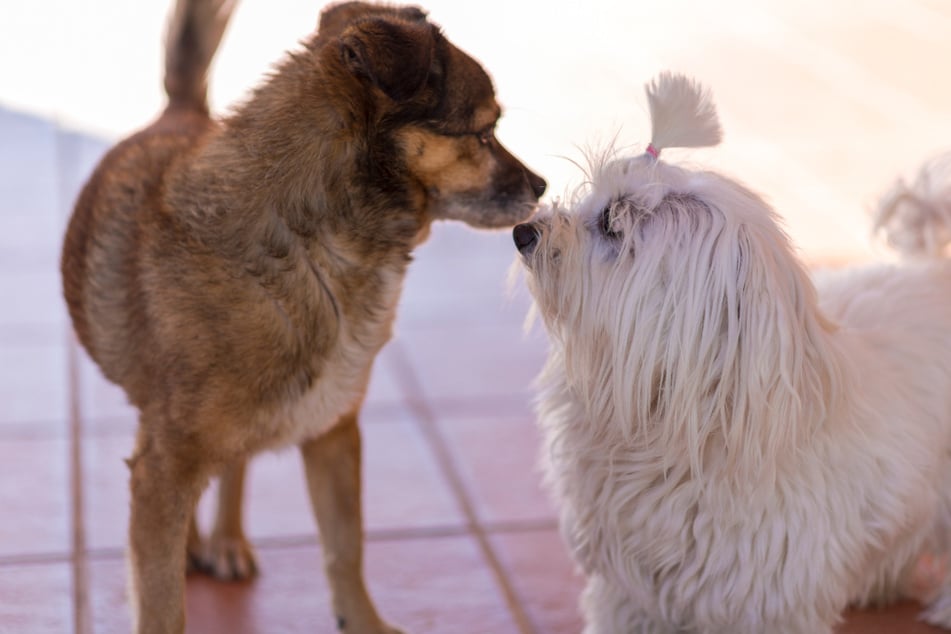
(82, 622)
(308, 539)
(426, 422)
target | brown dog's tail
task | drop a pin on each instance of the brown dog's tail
(194, 32)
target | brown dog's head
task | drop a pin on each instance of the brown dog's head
(430, 113)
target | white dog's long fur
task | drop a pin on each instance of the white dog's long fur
(736, 448)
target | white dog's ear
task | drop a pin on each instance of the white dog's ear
(780, 373)
(721, 355)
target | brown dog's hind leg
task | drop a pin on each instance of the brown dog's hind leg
(332, 463)
(194, 548)
(164, 490)
(227, 553)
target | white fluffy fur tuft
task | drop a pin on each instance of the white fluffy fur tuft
(735, 447)
(682, 113)
(916, 218)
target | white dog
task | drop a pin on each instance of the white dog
(735, 448)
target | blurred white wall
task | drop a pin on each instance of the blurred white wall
(822, 102)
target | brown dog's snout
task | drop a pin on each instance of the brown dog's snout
(537, 183)
(526, 235)
(517, 174)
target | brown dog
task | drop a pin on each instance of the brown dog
(237, 277)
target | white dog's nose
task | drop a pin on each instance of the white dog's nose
(526, 237)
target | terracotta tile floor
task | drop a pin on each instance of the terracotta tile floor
(461, 536)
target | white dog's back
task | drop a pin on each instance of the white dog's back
(894, 323)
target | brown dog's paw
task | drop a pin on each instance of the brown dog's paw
(194, 560)
(228, 558)
(384, 628)
(372, 625)
(194, 550)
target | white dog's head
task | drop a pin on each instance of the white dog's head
(679, 315)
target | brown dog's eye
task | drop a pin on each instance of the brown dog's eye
(486, 136)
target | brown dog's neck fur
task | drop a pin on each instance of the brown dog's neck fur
(281, 163)
(293, 201)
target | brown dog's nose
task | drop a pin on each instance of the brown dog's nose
(526, 235)
(537, 182)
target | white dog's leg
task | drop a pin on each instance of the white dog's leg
(933, 586)
(608, 611)
(938, 611)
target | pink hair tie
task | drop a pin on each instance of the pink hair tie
(654, 152)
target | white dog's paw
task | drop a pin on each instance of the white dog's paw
(938, 612)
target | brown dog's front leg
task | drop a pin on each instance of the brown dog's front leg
(332, 463)
(164, 491)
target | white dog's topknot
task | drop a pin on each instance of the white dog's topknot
(682, 114)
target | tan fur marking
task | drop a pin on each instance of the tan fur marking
(486, 115)
(447, 164)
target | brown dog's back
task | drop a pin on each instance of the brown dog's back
(101, 275)
(115, 209)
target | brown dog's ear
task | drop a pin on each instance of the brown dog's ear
(394, 55)
(335, 18)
